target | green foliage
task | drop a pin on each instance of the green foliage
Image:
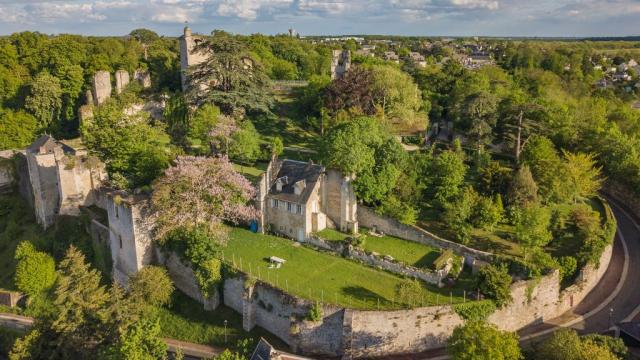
(568, 266)
(488, 212)
(140, 342)
(494, 282)
(245, 144)
(45, 99)
(476, 340)
(565, 344)
(523, 191)
(458, 214)
(209, 276)
(316, 313)
(532, 228)
(409, 291)
(277, 146)
(475, 310)
(445, 177)
(442, 260)
(153, 284)
(399, 210)
(17, 129)
(35, 271)
(130, 145)
(615, 345)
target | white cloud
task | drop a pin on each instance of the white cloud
(250, 9)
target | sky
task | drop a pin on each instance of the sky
(560, 18)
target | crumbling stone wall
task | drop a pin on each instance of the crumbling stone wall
(101, 87)
(340, 200)
(189, 57)
(78, 180)
(185, 280)
(122, 80)
(143, 77)
(7, 171)
(368, 218)
(43, 177)
(340, 63)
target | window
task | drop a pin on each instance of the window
(299, 209)
(289, 206)
(274, 203)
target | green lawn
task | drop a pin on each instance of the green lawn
(252, 173)
(316, 275)
(186, 320)
(409, 252)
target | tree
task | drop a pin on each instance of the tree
(221, 135)
(494, 282)
(17, 129)
(45, 99)
(445, 176)
(152, 284)
(583, 176)
(245, 144)
(458, 214)
(277, 146)
(363, 148)
(35, 271)
(532, 228)
(479, 113)
(522, 125)
(141, 341)
(200, 191)
(354, 92)
(546, 167)
(202, 123)
(565, 344)
(523, 191)
(476, 340)
(230, 78)
(409, 292)
(399, 98)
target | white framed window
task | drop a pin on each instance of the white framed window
(274, 203)
(289, 205)
(299, 209)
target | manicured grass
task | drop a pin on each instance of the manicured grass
(320, 276)
(409, 252)
(332, 235)
(186, 320)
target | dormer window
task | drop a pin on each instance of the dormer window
(281, 182)
(299, 186)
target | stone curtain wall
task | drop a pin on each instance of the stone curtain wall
(368, 218)
(184, 279)
(378, 333)
(7, 171)
(623, 194)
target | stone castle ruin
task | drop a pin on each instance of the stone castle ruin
(188, 56)
(102, 88)
(340, 63)
(62, 179)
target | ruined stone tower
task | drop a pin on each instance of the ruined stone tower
(189, 57)
(340, 63)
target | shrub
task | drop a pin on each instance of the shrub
(475, 310)
(615, 345)
(35, 271)
(568, 266)
(209, 274)
(487, 212)
(399, 210)
(153, 285)
(494, 282)
(315, 312)
(476, 340)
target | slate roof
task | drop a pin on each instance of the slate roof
(631, 328)
(263, 351)
(295, 171)
(49, 143)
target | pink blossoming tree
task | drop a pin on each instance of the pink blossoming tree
(201, 192)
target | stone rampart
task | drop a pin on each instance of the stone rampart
(185, 280)
(368, 218)
(624, 195)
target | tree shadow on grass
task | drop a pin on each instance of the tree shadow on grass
(426, 262)
(365, 295)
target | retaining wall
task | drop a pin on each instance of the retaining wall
(429, 276)
(368, 218)
(623, 194)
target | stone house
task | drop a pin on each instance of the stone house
(62, 178)
(298, 198)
